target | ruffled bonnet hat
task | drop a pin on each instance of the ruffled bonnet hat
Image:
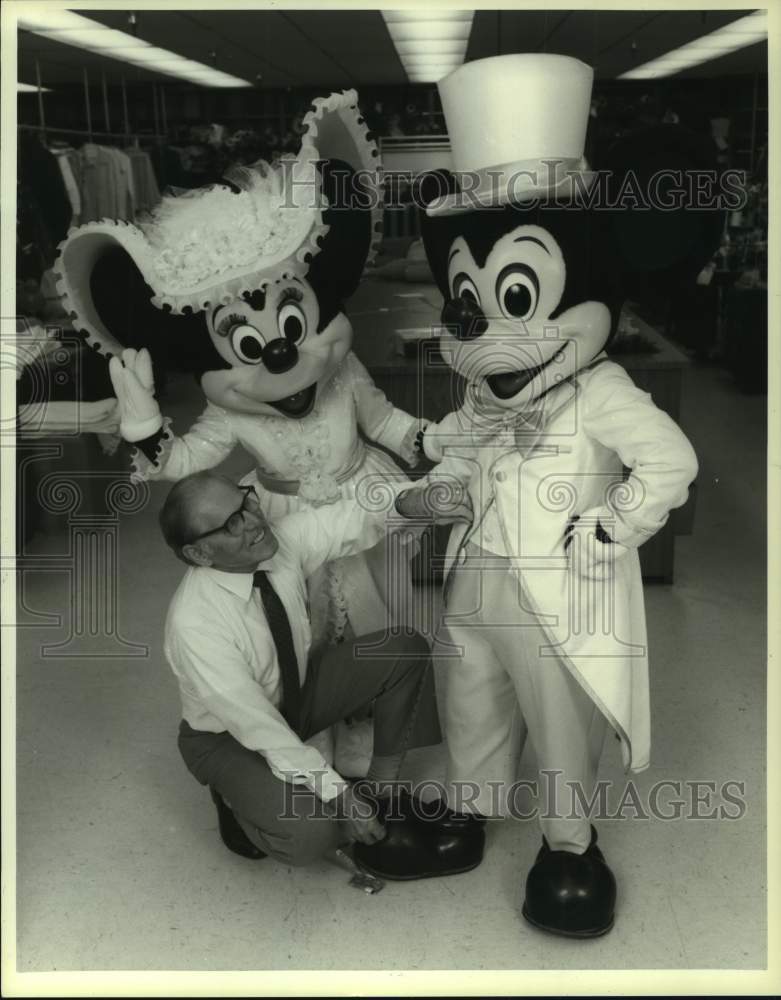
(207, 247)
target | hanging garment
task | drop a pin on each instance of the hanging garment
(97, 183)
(41, 181)
(147, 192)
(130, 185)
(71, 187)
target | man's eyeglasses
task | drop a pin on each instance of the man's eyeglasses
(235, 523)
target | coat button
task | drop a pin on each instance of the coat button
(500, 477)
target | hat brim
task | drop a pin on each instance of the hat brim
(333, 128)
(512, 188)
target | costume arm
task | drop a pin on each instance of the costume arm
(379, 419)
(661, 461)
(319, 534)
(164, 456)
(446, 443)
(215, 668)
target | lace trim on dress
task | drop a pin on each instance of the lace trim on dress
(142, 467)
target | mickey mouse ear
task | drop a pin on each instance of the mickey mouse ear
(667, 222)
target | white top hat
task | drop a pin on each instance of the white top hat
(518, 124)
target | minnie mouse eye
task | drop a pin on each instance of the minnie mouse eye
(292, 322)
(247, 343)
(518, 291)
(465, 288)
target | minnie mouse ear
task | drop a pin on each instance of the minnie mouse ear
(110, 304)
(665, 219)
(334, 272)
(335, 130)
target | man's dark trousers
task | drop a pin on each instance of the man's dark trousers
(390, 673)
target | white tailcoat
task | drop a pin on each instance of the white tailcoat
(529, 474)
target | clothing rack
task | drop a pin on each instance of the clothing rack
(158, 101)
(90, 133)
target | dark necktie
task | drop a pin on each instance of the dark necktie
(279, 625)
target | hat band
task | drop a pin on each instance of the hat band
(520, 177)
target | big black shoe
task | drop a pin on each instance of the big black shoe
(234, 838)
(415, 848)
(573, 895)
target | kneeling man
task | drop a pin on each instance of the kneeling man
(238, 639)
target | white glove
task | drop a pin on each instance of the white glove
(134, 385)
(590, 554)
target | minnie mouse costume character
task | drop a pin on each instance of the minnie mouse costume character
(570, 467)
(243, 285)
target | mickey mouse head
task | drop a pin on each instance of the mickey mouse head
(533, 255)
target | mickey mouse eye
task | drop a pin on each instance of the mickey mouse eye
(292, 322)
(464, 287)
(247, 343)
(517, 291)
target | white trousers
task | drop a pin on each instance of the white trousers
(502, 687)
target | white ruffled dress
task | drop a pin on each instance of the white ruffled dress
(315, 460)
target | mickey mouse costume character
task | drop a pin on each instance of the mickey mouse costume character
(570, 467)
(243, 285)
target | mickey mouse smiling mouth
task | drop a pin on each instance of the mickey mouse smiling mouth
(505, 385)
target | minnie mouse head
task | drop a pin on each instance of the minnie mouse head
(536, 253)
(242, 283)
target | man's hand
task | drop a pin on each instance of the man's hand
(444, 501)
(359, 817)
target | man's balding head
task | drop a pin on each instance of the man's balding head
(193, 520)
(179, 516)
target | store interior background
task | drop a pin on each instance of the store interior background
(119, 861)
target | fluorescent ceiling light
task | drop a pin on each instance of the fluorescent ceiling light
(72, 29)
(426, 15)
(449, 48)
(745, 31)
(429, 43)
(427, 60)
(29, 88)
(96, 38)
(436, 31)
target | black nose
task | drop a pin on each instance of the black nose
(464, 317)
(280, 355)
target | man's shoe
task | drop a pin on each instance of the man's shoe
(573, 895)
(412, 850)
(234, 838)
(403, 804)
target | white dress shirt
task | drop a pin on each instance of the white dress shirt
(220, 647)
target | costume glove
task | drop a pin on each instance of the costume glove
(591, 551)
(134, 385)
